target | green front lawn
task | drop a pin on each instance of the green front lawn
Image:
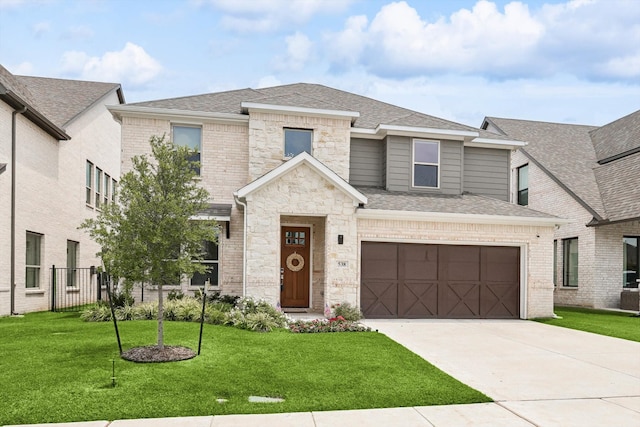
(56, 368)
(603, 322)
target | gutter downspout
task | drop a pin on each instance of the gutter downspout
(244, 245)
(12, 283)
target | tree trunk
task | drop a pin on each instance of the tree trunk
(160, 318)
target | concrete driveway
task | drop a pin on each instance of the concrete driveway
(547, 375)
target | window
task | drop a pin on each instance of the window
(190, 137)
(631, 255)
(426, 163)
(570, 262)
(107, 187)
(72, 262)
(89, 182)
(523, 185)
(34, 242)
(114, 186)
(210, 251)
(296, 141)
(98, 186)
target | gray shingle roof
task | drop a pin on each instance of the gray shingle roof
(63, 100)
(440, 203)
(564, 150)
(372, 112)
(617, 137)
(619, 183)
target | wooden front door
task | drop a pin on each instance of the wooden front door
(295, 267)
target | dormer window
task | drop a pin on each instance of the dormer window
(296, 141)
(426, 163)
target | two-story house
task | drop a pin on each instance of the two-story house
(324, 196)
(591, 176)
(59, 162)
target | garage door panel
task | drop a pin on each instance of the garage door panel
(459, 300)
(418, 262)
(500, 300)
(502, 264)
(379, 261)
(418, 300)
(379, 299)
(460, 263)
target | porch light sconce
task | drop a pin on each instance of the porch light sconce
(340, 239)
(93, 270)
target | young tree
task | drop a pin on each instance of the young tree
(149, 235)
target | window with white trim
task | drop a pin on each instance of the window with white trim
(190, 137)
(296, 141)
(33, 260)
(107, 188)
(426, 163)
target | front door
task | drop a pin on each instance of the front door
(294, 267)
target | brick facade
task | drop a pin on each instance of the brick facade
(50, 195)
(599, 248)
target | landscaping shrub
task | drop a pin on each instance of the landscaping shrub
(146, 311)
(335, 324)
(99, 312)
(214, 315)
(347, 312)
(175, 295)
(261, 322)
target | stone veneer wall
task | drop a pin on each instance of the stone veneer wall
(536, 240)
(301, 192)
(331, 141)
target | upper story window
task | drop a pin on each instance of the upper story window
(89, 183)
(107, 188)
(523, 185)
(426, 163)
(296, 141)
(98, 187)
(32, 261)
(191, 137)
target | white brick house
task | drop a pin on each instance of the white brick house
(52, 134)
(324, 196)
(591, 176)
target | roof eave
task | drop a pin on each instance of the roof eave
(459, 218)
(289, 109)
(16, 102)
(119, 111)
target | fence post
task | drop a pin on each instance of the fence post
(53, 288)
(99, 283)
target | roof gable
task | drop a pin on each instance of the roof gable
(313, 163)
(617, 138)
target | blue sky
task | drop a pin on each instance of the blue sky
(574, 61)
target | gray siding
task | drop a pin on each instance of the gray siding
(486, 172)
(398, 163)
(366, 164)
(399, 166)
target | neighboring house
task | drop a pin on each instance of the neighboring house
(324, 196)
(61, 151)
(590, 175)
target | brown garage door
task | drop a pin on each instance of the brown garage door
(402, 280)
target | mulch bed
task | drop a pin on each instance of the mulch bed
(153, 354)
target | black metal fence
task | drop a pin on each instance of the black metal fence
(74, 288)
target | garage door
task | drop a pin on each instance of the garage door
(401, 280)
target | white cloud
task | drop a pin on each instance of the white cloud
(131, 65)
(592, 38)
(271, 15)
(299, 49)
(40, 28)
(22, 69)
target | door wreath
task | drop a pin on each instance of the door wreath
(295, 257)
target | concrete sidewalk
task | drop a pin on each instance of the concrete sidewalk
(538, 375)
